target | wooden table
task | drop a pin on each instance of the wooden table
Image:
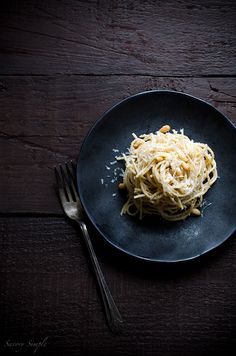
(62, 64)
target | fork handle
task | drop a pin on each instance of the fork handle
(114, 318)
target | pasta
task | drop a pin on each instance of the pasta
(167, 174)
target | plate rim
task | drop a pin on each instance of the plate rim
(100, 119)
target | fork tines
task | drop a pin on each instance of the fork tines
(66, 181)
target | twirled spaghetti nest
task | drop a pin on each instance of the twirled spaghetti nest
(167, 174)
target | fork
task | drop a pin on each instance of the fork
(70, 201)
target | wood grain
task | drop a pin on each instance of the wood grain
(118, 37)
(62, 64)
(55, 296)
(45, 119)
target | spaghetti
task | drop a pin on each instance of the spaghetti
(167, 174)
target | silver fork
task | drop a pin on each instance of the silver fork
(72, 207)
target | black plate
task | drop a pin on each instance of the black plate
(153, 239)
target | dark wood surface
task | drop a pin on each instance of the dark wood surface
(62, 64)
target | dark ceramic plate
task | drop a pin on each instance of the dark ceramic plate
(151, 238)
